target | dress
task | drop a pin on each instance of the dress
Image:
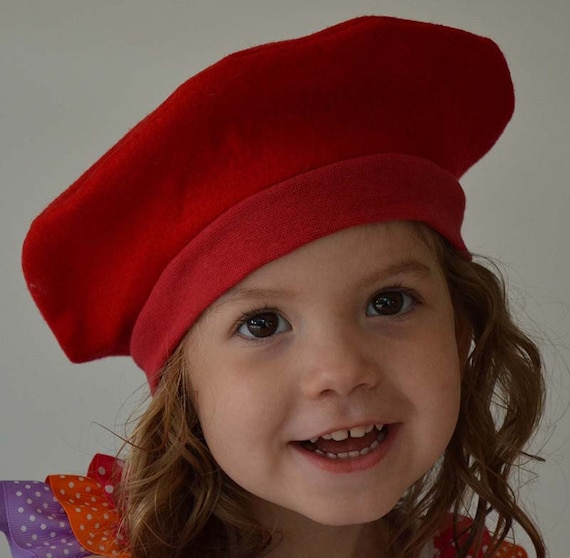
(70, 516)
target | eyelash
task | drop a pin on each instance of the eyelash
(245, 316)
(417, 300)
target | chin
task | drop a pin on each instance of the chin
(340, 515)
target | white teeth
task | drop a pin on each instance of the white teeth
(358, 432)
(351, 454)
(339, 435)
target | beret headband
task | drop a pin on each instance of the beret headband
(371, 120)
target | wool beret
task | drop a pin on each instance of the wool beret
(374, 119)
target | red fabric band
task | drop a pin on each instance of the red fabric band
(275, 221)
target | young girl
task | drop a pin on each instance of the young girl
(278, 247)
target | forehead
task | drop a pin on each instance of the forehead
(388, 248)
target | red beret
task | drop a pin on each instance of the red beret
(374, 119)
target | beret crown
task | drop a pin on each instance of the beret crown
(266, 129)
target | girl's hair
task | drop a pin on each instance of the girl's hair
(176, 501)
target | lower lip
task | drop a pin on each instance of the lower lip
(351, 464)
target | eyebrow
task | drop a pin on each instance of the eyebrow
(405, 267)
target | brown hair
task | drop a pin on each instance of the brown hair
(178, 502)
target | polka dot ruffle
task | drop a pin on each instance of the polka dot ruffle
(68, 516)
(72, 516)
(35, 524)
(445, 546)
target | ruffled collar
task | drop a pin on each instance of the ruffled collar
(70, 516)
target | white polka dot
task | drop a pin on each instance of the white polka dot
(43, 526)
(65, 551)
(71, 484)
(62, 491)
(82, 527)
(29, 501)
(89, 517)
(109, 489)
(32, 518)
(23, 528)
(21, 510)
(52, 535)
(101, 471)
(27, 486)
(61, 524)
(38, 494)
(18, 493)
(87, 489)
(34, 537)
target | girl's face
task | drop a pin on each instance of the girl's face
(327, 382)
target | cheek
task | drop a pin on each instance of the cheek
(238, 404)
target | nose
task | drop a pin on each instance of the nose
(339, 364)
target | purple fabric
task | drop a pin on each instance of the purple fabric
(34, 522)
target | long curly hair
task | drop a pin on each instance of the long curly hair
(176, 501)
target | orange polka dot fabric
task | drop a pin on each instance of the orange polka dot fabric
(90, 508)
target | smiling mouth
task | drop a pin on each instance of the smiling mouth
(348, 444)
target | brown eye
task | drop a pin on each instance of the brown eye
(390, 303)
(264, 324)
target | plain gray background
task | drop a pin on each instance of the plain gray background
(77, 74)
